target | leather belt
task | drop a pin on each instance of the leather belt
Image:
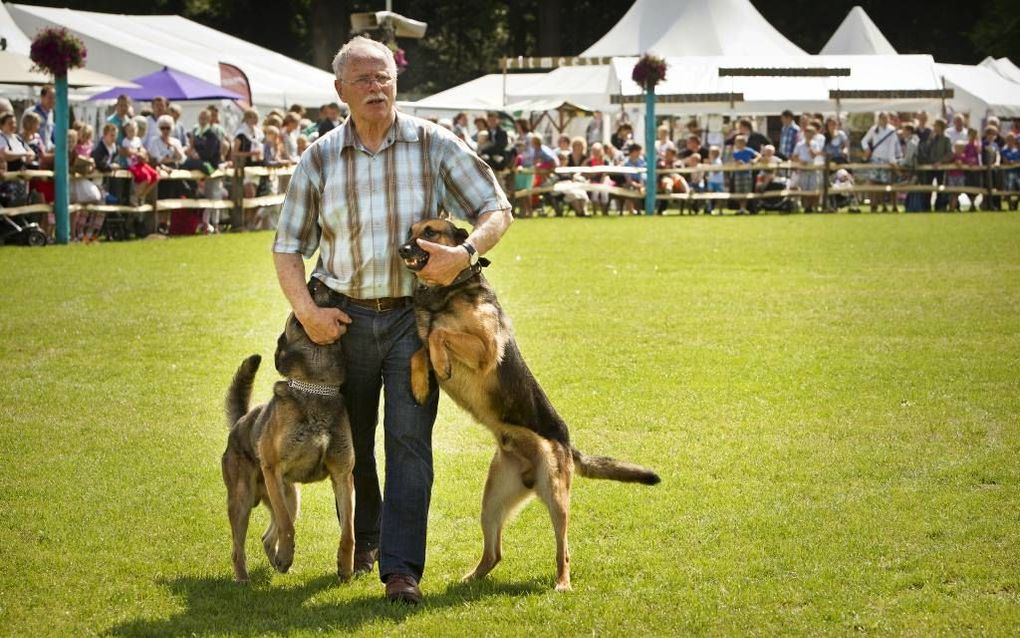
(382, 304)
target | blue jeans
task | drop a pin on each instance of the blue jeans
(377, 350)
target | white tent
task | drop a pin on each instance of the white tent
(857, 35)
(130, 46)
(481, 94)
(981, 91)
(692, 27)
(889, 79)
(1004, 67)
(17, 41)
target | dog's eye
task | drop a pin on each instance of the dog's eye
(429, 232)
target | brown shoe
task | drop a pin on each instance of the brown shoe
(403, 588)
(364, 559)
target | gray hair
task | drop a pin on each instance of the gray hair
(165, 120)
(361, 42)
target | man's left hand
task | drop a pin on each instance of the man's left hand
(445, 262)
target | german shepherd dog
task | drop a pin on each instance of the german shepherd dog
(469, 344)
(301, 435)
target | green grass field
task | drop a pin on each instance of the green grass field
(832, 402)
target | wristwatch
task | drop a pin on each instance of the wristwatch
(472, 253)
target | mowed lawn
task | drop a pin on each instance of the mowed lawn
(832, 403)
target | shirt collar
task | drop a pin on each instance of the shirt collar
(403, 129)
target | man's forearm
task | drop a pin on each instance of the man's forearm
(290, 271)
(489, 229)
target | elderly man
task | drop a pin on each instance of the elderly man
(354, 195)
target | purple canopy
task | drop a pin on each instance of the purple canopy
(173, 85)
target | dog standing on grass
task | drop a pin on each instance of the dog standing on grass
(301, 436)
(469, 345)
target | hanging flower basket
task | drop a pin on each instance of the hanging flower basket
(649, 71)
(54, 51)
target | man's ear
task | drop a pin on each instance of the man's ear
(460, 235)
(337, 84)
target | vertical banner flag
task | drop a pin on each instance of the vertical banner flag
(234, 79)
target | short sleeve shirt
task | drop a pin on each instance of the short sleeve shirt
(357, 207)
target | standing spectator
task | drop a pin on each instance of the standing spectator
(693, 147)
(972, 157)
(882, 146)
(958, 132)
(480, 125)
(288, 138)
(921, 128)
(179, 132)
(247, 151)
(159, 109)
(955, 177)
(837, 142)
(715, 181)
(121, 114)
(754, 139)
(991, 155)
(460, 128)
(44, 109)
(743, 181)
(496, 152)
(789, 135)
(1011, 157)
(936, 150)
(810, 151)
(623, 135)
(330, 118)
(593, 132)
(911, 147)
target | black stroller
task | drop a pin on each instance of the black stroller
(26, 234)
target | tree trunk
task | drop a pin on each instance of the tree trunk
(549, 36)
(329, 29)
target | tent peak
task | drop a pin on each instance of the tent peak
(857, 34)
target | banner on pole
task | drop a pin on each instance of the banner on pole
(234, 79)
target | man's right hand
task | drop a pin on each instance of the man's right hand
(324, 325)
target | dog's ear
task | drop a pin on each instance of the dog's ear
(460, 235)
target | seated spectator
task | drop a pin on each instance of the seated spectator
(623, 136)
(136, 159)
(670, 183)
(563, 143)
(598, 158)
(104, 153)
(497, 152)
(329, 118)
(661, 140)
(839, 194)
(743, 181)
(578, 155)
(39, 190)
(480, 125)
(911, 145)
(164, 149)
(16, 155)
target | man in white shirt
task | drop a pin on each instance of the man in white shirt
(958, 131)
(881, 145)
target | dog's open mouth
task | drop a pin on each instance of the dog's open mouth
(417, 262)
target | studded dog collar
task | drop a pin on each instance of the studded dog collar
(314, 388)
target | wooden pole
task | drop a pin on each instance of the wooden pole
(61, 200)
(650, 182)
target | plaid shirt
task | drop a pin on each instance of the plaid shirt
(788, 139)
(357, 207)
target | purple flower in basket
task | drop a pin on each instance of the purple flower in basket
(56, 50)
(649, 71)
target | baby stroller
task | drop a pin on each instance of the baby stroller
(839, 197)
(768, 182)
(27, 234)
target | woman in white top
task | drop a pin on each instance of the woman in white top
(164, 149)
(14, 152)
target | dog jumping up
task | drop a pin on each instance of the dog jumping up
(469, 345)
(302, 435)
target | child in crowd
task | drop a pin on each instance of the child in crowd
(634, 181)
(743, 181)
(84, 225)
(972, 157)
(84, 146)
(810, 149)
(1011, 157)
(598, 158)
(715, 181)
(271, 146)
(957, 177)
(135, 159)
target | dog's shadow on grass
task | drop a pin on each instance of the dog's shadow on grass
(218, 606)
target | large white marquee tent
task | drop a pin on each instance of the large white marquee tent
(130, 46)
(857, 35)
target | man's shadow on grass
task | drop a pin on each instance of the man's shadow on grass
(220, 606)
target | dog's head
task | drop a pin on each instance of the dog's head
(437, 231)
(298, 357)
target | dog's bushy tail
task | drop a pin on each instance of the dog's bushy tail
(604, 467)
(239, 394)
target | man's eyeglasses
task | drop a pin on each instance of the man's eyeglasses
(164, 128)
(365, 81)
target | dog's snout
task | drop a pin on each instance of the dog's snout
(404, 251)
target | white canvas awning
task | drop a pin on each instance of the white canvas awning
(1004, 67)
(981, 91)
(17, 69)
(480, 94)
(906, 82)
(130, 46)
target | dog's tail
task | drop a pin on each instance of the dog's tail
(239, 394)
(604, 467)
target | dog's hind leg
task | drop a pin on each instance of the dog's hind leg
(239, 511)
(505, 492)
(553, 487)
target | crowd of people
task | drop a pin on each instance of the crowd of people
(149, 143)
(809, 142)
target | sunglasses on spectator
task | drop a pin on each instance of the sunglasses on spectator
(164, 128)
(365, 81)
